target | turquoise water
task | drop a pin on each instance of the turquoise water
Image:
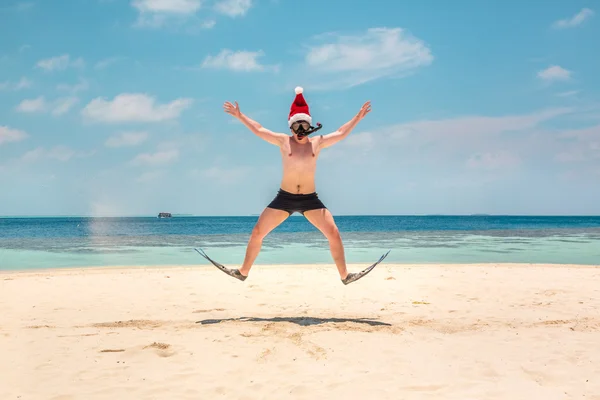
(39, 243)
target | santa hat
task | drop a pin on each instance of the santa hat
(299, 110)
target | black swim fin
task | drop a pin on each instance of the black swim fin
(231, 272)
(354, 276)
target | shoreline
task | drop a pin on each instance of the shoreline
(287, 267)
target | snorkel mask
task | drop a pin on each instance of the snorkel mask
(303, 128)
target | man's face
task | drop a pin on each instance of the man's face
(300, 127)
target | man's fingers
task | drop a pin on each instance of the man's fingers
(366, 108)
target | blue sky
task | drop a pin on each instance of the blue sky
(114, 107)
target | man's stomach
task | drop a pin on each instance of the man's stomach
(299, 183)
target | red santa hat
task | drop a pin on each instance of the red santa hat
(299, 110)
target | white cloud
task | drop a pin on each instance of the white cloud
(361, 140)
(475, 158)
(134, 107)
(126, 139)
(488, 142)
(195, 26)
(60, 63)
(57, 107)
(58, 153)
(158, 158)
(167, 6)
(208, 24)
(105, 63)
(470, 127)
(555, 73)
(493, 160)
(581, 145)
(574, 21)
(23, 83)
(350, 60)
(8, 135)
(233, 8)
(245, 61)
(150, 21)
(155, 13)
(32, 105)
(358, 143)
(63, 105)
(185, 142)
(74, 88)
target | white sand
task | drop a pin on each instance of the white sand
(436, 332)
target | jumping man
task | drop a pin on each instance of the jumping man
(297, 191)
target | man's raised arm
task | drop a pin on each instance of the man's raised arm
(334, 137)
(255, 127)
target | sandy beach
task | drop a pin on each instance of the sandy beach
(295, 332)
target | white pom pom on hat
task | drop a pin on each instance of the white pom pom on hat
(299, 90)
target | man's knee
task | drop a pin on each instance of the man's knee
(332, 232)
(258, 232)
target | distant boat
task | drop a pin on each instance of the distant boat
(164, 215)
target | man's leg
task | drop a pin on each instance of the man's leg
(269, 219)
(323, 221)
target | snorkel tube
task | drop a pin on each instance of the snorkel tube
(302, 133)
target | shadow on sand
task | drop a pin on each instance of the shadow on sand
(302, 321)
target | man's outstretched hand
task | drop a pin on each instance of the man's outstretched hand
(365, 109)
(231, 109)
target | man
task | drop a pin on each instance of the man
(297, 189)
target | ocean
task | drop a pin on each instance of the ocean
(62, 242)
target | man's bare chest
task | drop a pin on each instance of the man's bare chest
(299, 154)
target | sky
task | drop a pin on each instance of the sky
(115, 107)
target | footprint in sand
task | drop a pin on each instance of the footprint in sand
(161, 349)
(209, 310)
(134, 323)
(112, 351)
(265, 355)
(551, 292)
(538, 376)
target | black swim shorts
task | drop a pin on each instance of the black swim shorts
(292, 203)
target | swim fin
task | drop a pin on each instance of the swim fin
(354, 276)
(231, 272)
